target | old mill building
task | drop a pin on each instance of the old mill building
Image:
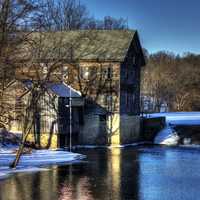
(100, 70)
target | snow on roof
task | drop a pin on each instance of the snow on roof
(180, 118)
(63, 90)
(60, 89)
(38, 160)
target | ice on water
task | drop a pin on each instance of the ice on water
(36, 161)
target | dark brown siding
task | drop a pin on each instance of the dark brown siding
(130, 82)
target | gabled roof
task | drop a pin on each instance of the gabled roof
(101, 45)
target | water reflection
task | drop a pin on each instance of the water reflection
(114, 167)
(107, 175)
(169, 173)
(127, 174)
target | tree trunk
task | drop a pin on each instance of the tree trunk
(20, 150)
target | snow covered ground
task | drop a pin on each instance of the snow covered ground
(178, 118)
(36, 161)
(168, 136)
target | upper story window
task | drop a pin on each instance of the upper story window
(108, 101)
(127, 99)
(134, 60)
(101, 99)
(109, 73)
(65, 72)
(44, 68)
(85, 72)
(126, 74)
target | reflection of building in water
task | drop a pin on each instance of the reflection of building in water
(80, 191)
(123, 174)
(129, 174)
(115, 171)
(110, 174)
(46, 185)
(73, 187)
(40, 185)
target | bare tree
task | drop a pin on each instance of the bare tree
(172, 80)
(14, 15)
(41, 67)
(108, 23)
(64, 15)
(111, 23)
(72, 15)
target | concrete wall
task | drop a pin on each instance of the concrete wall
(129, 129)
(93, 132)
(126, 129)
(115, 131)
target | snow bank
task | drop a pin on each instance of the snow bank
(35, 161)
(179, 118)
(3, 175)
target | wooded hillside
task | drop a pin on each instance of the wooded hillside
(172, 80)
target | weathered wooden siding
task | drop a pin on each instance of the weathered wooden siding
(130, 82)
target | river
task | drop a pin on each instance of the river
(132, 173)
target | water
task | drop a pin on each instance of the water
(142, 173)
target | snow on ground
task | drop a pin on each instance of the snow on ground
(36, 161)
(179, 118)
(168, 136)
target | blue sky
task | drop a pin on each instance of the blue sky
(172, 25)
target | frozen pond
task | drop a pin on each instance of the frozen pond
(38, 160)
(132, 173)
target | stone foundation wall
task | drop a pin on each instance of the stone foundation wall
(129, 129)
(93, 132)
(116, 130)
(125, 129)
